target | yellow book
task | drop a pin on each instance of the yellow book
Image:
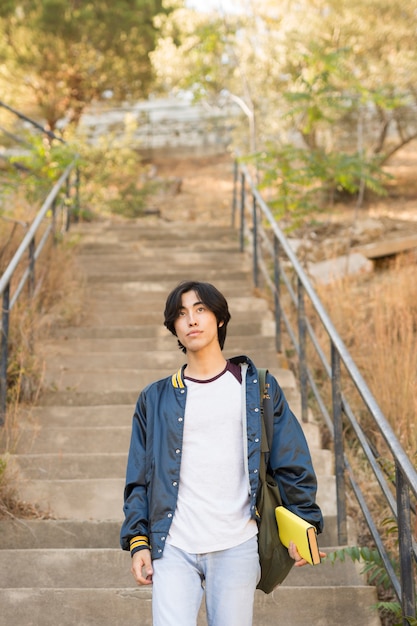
(293, 528)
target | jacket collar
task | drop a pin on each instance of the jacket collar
(177, 379)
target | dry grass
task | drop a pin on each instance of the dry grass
(57, 300)
(376, 318)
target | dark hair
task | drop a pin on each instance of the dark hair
(209, 295)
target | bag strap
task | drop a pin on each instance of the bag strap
(265, 446)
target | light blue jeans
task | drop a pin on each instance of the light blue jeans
(228, 578)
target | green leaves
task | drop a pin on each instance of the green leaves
(303, 180)
(68, 53)
(373, 568)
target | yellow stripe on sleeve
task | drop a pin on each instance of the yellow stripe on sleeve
(139, 542)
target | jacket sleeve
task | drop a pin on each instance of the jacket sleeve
(134, 532)
(290, 461)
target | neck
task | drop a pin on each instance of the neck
(204, 367)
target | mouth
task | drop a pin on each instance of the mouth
(194, 333)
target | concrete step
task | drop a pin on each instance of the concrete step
(108, 379)
(85, 341)
(155, 263)
(41, 437)
(264, 327)
(321, 606)
(138, 317)
(87, 498)
(139, 289)
(163, 232)
(172, 274)
(65, 465)
(81, 440)
(88, 398)
(92, 567)
(69, 392)
(82, 499)
(71, 466)
(56, 416)
(75, 534)
(165, 359)
(150, 302)
(28, 534)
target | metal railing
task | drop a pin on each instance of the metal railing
(55, 214)
(276, 262)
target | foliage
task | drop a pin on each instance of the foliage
(334, 77)
(376, 574)
(67, 53)
(302, 181)
(395, 609)
(40, 165)
(114, 179)
(373, 564)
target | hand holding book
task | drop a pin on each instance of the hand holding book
(299, 537)
(299, 561)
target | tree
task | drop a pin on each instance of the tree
(70, 52)
(331, 77)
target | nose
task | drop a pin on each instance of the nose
(191, 320)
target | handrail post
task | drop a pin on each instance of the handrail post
(408, 601)
(4, 353)
(242, 212)
(302, 355)
(31, 266)
(53, 211)
(235, 182)
(67, 204)
(255, 242)
(77, 200)
(338, 447)
(277, 296)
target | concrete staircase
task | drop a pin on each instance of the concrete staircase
(71, 455)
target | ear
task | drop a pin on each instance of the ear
(221, 324)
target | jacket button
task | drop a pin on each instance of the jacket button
(255, 471)
(174, 484)
(163, 538)
(177, 451)
(180, 419)
(169, 514)
(257, 440)
(255, 380)
(182, 390)
(256, 410)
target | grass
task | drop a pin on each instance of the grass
(57, 300)
(376, 317)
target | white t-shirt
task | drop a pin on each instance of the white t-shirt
(213, 511)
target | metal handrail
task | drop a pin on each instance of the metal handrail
(253, 213)
(45, 225)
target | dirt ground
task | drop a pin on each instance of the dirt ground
(201, 188)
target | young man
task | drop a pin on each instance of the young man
(192, 474)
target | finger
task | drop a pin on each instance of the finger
(142, 576)
(293, 552)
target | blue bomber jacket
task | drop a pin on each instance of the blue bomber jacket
(154, 462)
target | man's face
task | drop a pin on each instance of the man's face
(196, 326)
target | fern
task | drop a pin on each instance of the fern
(375, 572)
